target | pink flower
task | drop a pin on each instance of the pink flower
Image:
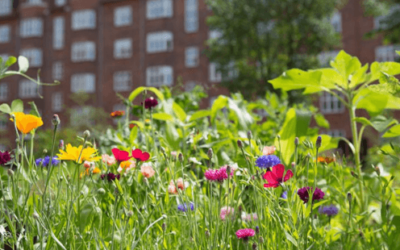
(245, 233)
(139, 155)
(216, 174)
(249, 217)
(120, 155)
(232, 167)
(109, 160)
(268, 150)
(275, 177)
(226, 212)
(172, 188)
(147, 170)
(88, 164)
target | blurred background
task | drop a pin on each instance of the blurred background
(101, 50)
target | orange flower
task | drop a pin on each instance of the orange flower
(326, 160)
(147, 170)
(172, 188)
(269, 150)
(96, 170)
(127, 165)
(27, 123)
(117, 114)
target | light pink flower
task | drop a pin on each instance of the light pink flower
(226, 212)
(268, 150)
(147, 170)
(172, 188)
(110, 160)
(88, 164)
(249, 217)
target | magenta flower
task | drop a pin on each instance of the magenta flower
(150, 103)
(304, 194)
(275, 177)
(4, 157)
(216, 174)
(245, 233)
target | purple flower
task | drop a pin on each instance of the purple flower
(304, 194)
(284, 195)
(4, 157)
(183, 207)
(46, 160)
(110, 176)
(331, 210)
(267, 161)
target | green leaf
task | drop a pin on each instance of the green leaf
(179, 112)
(199, 114)
(10, 61)
(163, 117)
(135, 93)
(23, 64)
(374, 103)
(5, 108)
(17, 106)
(390, 68)
(157, 93)
(218, 104)
(34, 109)
(133, 134)
(393, 132)
(359, 76)
(138, 123)
(346, 65)
(298, 79)
(243, 116)
(321, 121)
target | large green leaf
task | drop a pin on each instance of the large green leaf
(200, 114)
(163, 117)
(5, 108)
(298, 79)
(374, 103)
(218, 104)
(179, 112)
(139, 90)
(393, 132)
(296, 125)
(17, 106)
(390, 68)
(346, 65)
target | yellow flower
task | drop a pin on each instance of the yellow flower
(27, 123)
(72, 154)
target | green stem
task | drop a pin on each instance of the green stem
(50, 169)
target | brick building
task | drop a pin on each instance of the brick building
(102, 47)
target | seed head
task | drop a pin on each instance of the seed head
(86, 134)
(130, 213)
(35, 215)
(56, 120)
(210, 153)
(180, 157)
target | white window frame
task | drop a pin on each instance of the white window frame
(5, 7)
(329, 104)
(5, 33)
(214, 74)
(160, 42)
(386, 53)
(31, 27)
(59, 3)
(4, 91)
(34, 56)
(122, 81)
(34, 2)
(83, 51)
(83, 82)
(123, 16)
(192, 57)
(159, 9)
(83, 19)
(58, 32)
(58, 70)
(123, 48)
(158, 76)
(191, 16)
(28, 89)
(57, 101)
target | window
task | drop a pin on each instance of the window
(191, 16)
(336, 21)
(123, 16)
(78, 113)
(28, 89)
(5, 7)
(159, 75)
(336, 133)
(159, 42)
(58, 32)
(122, 81)
(31, 27)
(83, 51)
(330, 104)
(3, 92)
(34, 2)
(57, 70)
(83, 19)
(34, 56)
(57, 101)
(192, 57)
(83, 83)
(123, 48)
(159, 8)
(326, 57)
(215, 74)
(386, 53)
(60, 2)
(4, 33)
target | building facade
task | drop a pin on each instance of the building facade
(104, 47)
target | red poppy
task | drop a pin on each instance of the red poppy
(275, 177)
(139, 155)
(120, 155)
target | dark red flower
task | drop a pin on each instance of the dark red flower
(110, 176)
(139, 155)
(118, 113)
(120, 155)
(304, 194)
(150, 103)
(275, 177)
(4, 157)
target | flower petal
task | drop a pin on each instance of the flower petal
(271, 178)
(288, 175)
(145, 156)
(137, 154)
(278, 170)
(275, 185)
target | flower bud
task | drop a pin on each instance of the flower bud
(349, 197)
(61, 145)
(86, 134)
(296, 141)
(10, 172)
(249, 135)
(164, 226)
(180, 157)
(240, 143)
(45, 151)
(101, 191)
(293, 165)
(254, 247)
(318, 142)
(257, 229)
(207, 233)
(130, 213)
(56, 120)
(354, 174)
(35, 215)
(261, 240)
(210, 153)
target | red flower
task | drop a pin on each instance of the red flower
(150, 103)
(275, 177)
(120, 155)
(118, 113)
(139, 155)
(132, 125)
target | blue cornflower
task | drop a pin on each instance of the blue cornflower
(284, 195)
(331, 210)
(183, 207)
(267, 161)
(46, 160)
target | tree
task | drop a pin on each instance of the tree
(256, 40)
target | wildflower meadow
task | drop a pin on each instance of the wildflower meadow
(169, 176)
